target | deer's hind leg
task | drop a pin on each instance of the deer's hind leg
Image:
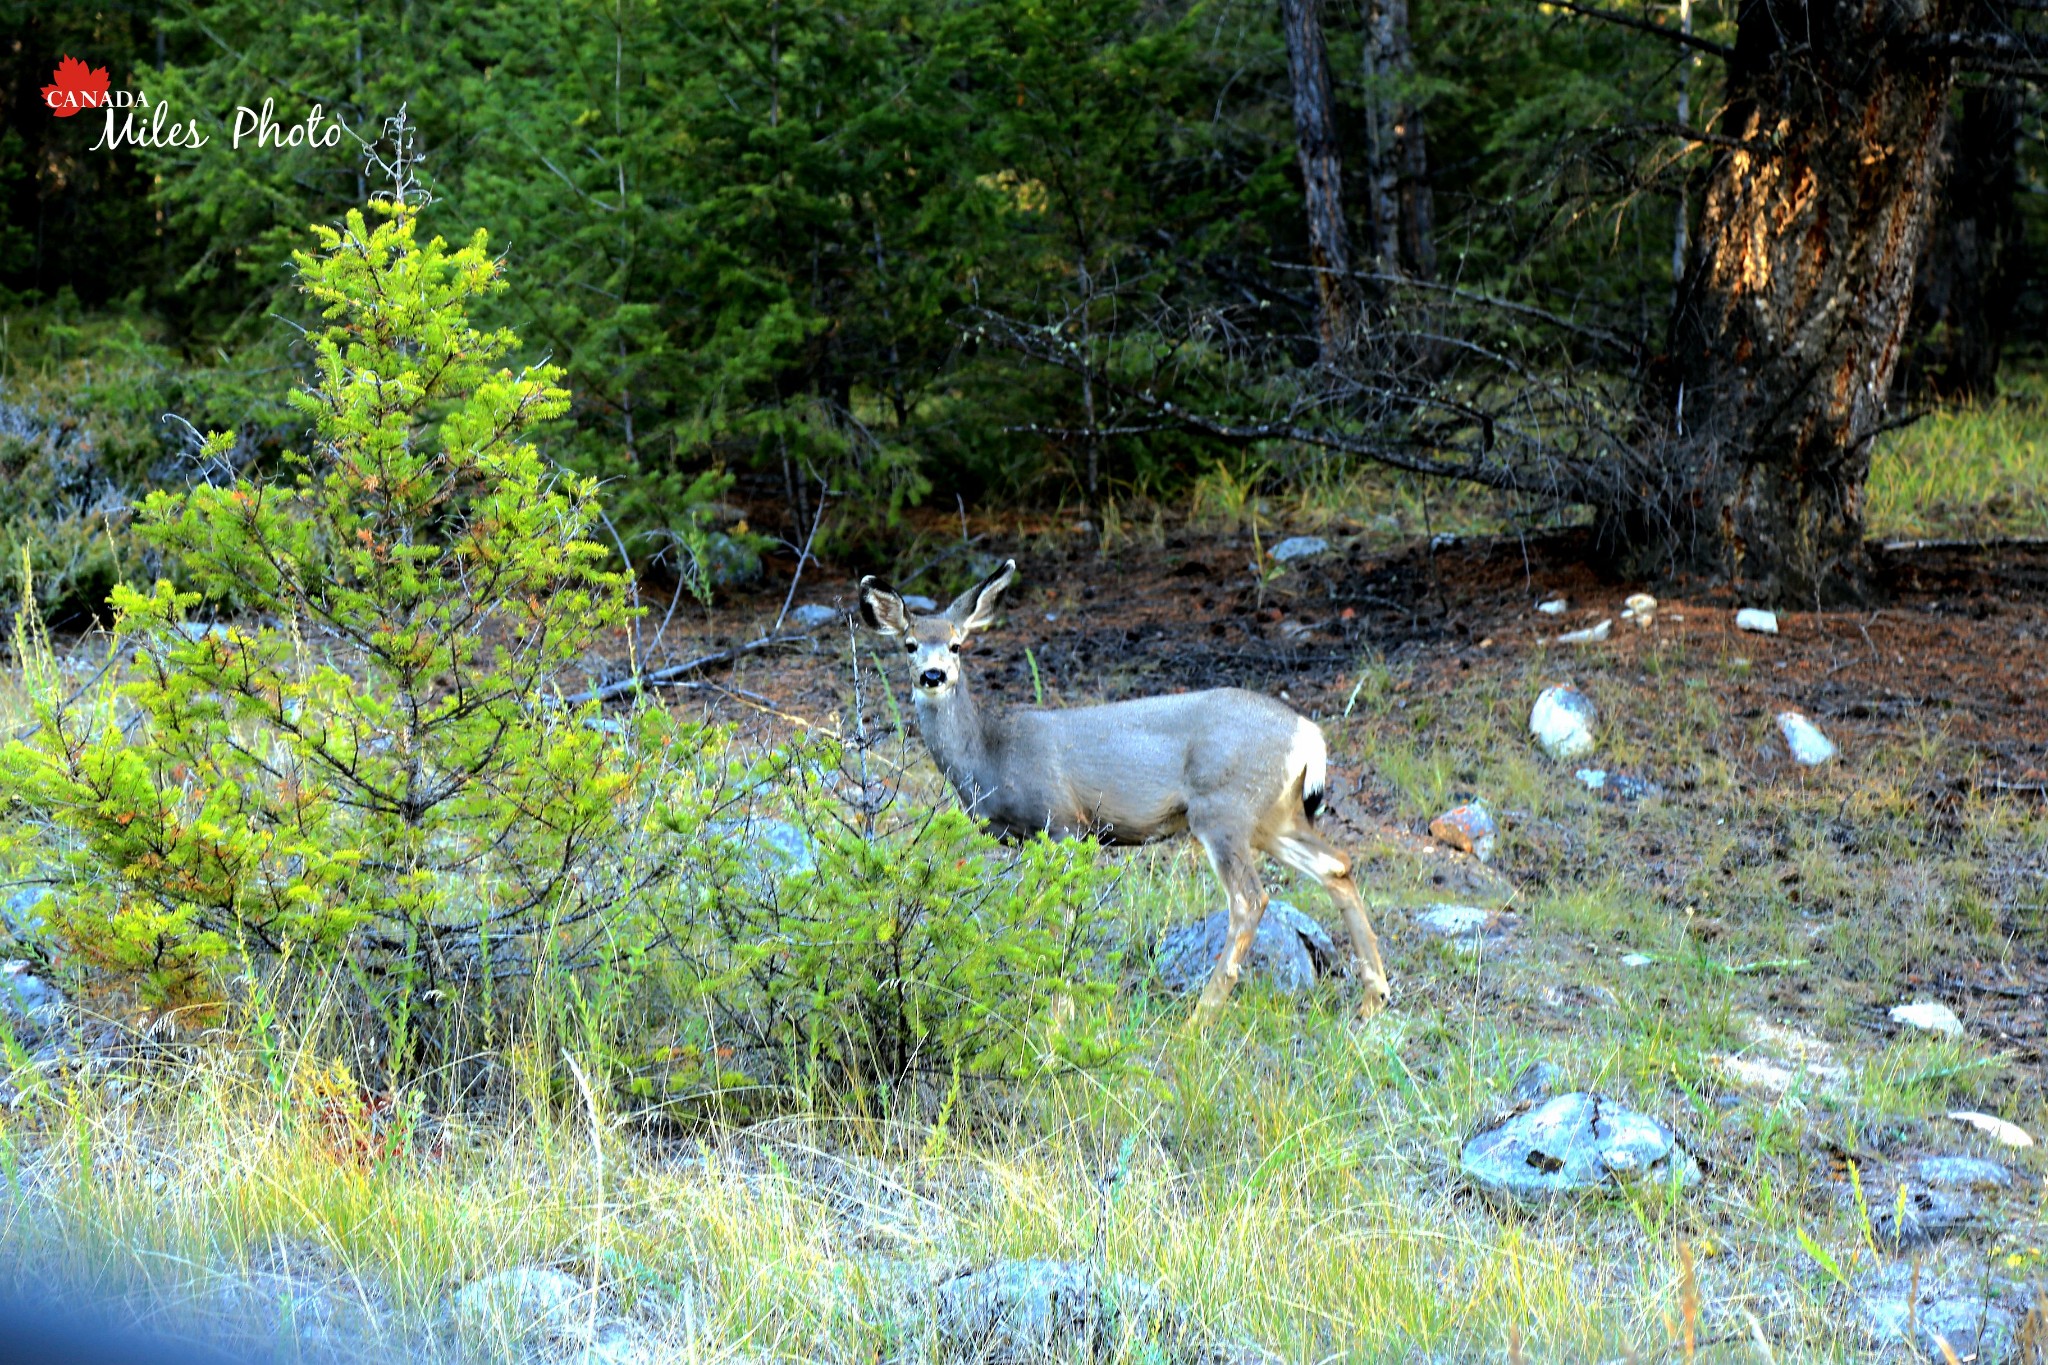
(1298, 845)
(1230, 854)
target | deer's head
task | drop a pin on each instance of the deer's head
(933, 642)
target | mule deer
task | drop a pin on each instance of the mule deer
(1238, 771)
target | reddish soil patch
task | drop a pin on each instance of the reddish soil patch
(1962, 644)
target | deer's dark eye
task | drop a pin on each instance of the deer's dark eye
(955, 646)
(910, 646)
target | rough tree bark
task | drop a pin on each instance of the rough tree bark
(1397, 155)
(1322, 177)
(1963, 288)
(1789, 322)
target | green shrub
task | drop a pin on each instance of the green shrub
(837, 955)
(375, 769)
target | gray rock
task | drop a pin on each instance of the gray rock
(919, 603)
(1289, 951)
(1975, 1329)
(789, 848)
(1467, 927)
(1617, 786)
(1015, 1312)
(1963, 1173)
(1299, 547)
(1453, 921)
(29, 1003)
(812, 615)
(525, 1303)
(1578, 1141)
(1921, 1217)
(22, 915)
(771, 849)
(1536, 1082)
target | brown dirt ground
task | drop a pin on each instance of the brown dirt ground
(1962, 642)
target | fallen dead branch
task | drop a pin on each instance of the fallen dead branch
(676, 673)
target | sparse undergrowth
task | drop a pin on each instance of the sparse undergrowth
(1289, 1178)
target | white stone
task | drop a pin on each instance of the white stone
(1590, 635)
(1562, 722)
(1929, 1015)
(2011, 1134)
(1637, 960)
(1556, 606)
(1640, 608)
(1810, 748)
(1760, 621)
(1778, 1078)
(1789, 1042)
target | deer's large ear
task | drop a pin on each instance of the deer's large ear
(975, 609)
(881, 607)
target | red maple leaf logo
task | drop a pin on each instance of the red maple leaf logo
(75, 86)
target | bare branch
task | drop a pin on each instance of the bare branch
(1693, 41)
(662, 677)
(2005, 54)
(1572, 480)
(1612, 340)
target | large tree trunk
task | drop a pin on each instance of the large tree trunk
(1322, 177)
(1963, 289)
(1397, 155)
(1789, 322)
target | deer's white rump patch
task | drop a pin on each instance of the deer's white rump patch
(1309, 756)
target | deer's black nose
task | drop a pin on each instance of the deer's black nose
(932, 677)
